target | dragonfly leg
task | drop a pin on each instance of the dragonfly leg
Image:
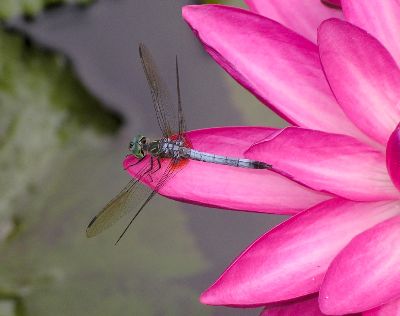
(158, 165)
(150, 169)
(137, 162)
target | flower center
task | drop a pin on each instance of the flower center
(393, 157)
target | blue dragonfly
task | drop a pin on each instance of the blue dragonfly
(172, 145)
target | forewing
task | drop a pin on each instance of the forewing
(129, 199)
(166, 113)
(181, 117)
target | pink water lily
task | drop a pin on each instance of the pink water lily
(336, 168)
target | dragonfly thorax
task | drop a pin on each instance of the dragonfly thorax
(172, 148)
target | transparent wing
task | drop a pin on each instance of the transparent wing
(129, 199)
(133, 197)
(170, 118)
(181, 117)
(169, 172)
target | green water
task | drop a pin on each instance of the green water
(30, 8)
(59, 164)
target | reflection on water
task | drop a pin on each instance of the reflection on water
(175, 250)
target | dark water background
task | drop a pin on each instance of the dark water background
(102, 42)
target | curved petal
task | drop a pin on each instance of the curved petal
(230, 187)
(390, 309)
(305, 306)
(363, 76)
(393, 156)
(301, 16)
(277, 65)
(379, 18)
(290, 260)
(366, 272)
(326, 162)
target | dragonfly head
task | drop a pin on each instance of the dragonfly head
(136, 146)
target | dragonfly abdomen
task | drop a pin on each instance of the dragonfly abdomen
(228, 161)
(175, 149)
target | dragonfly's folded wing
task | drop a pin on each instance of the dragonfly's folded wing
(129, 199)
(133, 197)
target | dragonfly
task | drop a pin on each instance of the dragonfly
(172, 146)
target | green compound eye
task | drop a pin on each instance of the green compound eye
(135, 146)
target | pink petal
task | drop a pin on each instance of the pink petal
(363, 76)
(390, 309)
(290, 260)
(366, 272)
(304, 306)
(302, 16)
(332, 163)
(230, 187)
(277, 65)
(379, 18)
(393, 156)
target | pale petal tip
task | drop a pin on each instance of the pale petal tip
(330, 305)
(217, 295)
(327, 24)
(190, 13)
(187, 9)
(324, 304)
(127, 161)
(208, 297)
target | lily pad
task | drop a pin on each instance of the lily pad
(43, 105)
(30, 8)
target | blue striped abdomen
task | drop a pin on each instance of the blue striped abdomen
(228, 161)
